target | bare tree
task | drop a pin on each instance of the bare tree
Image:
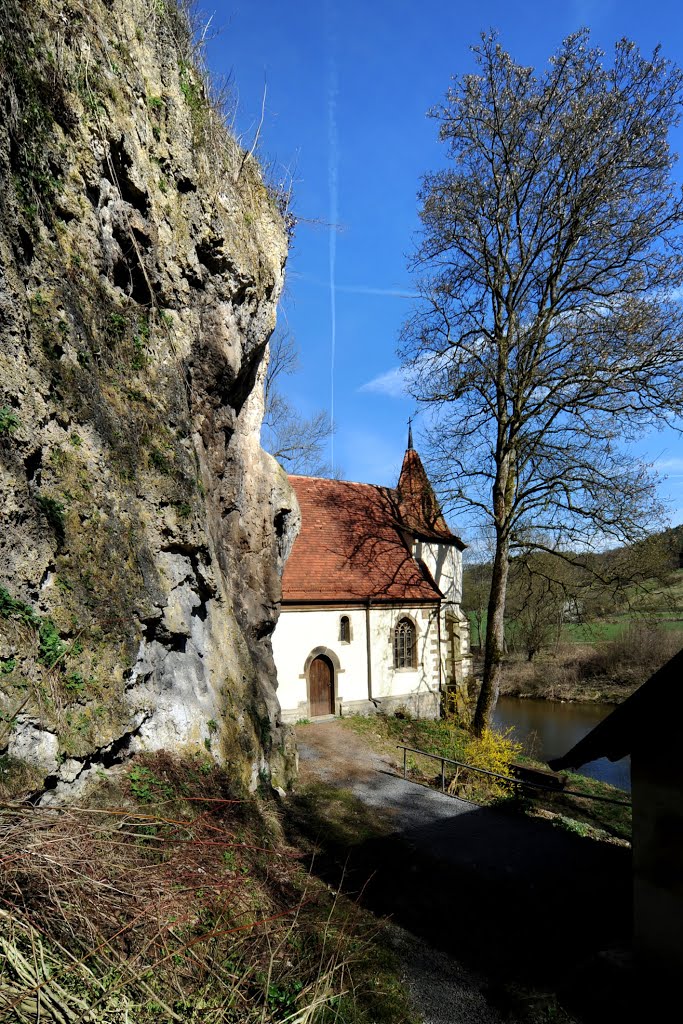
(296, 441)
(475, 597)
(550, 327)
(541, 590)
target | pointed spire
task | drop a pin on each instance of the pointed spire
(417, 505)
(410, 433)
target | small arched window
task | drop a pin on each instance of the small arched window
(345, 629)
(405, 648)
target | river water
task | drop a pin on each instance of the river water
(552, 727)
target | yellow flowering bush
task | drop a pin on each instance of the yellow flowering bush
(494, 751)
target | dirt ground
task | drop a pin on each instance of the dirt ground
(329, 752)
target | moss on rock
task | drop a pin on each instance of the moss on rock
(141, 260)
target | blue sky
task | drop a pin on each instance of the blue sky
(348, 85)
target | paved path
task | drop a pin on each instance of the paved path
(479, 898)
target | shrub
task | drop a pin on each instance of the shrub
(456, 706)
(53, 511)
(11, 608)
(641, 649)
(9, 422)
(52, 647)
(494, 752)
(609, 670)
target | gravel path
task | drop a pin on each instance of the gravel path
(442, 990)
(456, 832)
(454, 870)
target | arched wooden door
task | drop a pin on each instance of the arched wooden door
(321, 686)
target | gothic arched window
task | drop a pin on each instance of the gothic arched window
(405, 648)
(345, 629)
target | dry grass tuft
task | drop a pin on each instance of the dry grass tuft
(174, 905)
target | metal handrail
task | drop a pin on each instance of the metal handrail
(506, 778)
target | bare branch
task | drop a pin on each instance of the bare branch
(297, 441)
(549, 335)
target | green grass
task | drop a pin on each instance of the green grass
(611, 629)
(612, 818)
(653, 596)
(607, 629)
(348, 822)
(384, 732)
(594, 632)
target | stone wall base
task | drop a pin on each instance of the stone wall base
(290, 716)
(419, 705)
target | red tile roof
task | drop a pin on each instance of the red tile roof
(418, 505)
(354, 546)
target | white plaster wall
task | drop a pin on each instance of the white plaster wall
(388, 681)
(300, 632)
(444, 562)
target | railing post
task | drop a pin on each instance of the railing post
(519, 787)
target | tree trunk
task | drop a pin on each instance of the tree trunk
(495, 638)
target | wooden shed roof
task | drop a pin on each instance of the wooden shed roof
(638, 720)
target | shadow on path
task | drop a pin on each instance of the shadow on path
(532, 909)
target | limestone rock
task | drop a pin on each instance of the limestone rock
(143, 528)
(39, 747)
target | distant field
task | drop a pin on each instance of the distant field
(664, 600)
(612, 629)
(663, 605)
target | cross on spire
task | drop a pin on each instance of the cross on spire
(410, 433)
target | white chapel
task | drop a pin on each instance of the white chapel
(371, 593)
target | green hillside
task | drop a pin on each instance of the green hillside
(589, 628)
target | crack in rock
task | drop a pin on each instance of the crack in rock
(73, 776)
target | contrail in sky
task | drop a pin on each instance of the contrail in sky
(357, 289)
(333, 181)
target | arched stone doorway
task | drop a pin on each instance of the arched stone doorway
(321, 686)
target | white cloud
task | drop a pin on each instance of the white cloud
(363, 289)
(671, 467)
(393, 383)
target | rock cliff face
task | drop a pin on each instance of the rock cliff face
(143, 528)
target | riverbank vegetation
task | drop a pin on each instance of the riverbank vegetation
(172, 898)
(570, 807)
(606, 671)
(585, 627)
